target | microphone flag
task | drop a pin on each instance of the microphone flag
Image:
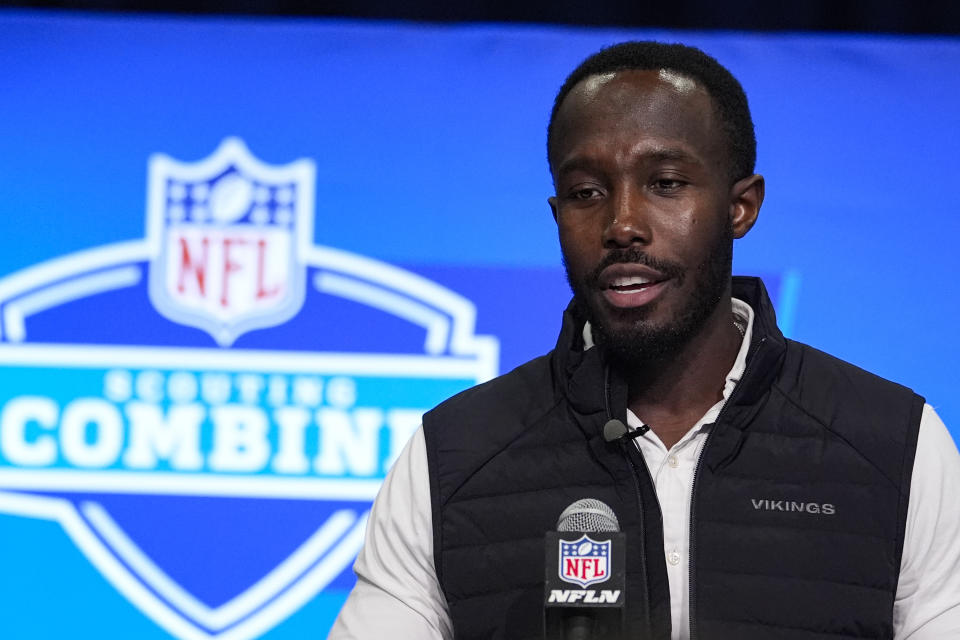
(584, 576)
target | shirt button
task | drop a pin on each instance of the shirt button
(673, 461)
(673, 558)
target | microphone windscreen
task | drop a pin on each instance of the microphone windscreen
(588, 515)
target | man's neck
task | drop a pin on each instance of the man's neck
(671, 394)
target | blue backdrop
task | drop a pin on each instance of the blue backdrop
(425, 146)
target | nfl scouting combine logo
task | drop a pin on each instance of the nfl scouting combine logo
(208, 412)
(585, 561)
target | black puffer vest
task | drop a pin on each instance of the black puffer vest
(798, 511)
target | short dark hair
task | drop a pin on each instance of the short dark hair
(728, 96)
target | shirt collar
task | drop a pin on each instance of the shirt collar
(743, 317)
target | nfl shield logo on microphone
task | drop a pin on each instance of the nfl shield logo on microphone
(585, 561)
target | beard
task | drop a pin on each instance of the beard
(628, 337)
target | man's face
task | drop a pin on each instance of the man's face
(644, 210)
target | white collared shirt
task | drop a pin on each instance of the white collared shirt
(672, 473)
(397, 594)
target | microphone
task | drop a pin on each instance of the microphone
(588, 515)
(595, 563)
(615, 431)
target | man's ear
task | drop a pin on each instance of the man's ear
(746, 196)
(552, 201)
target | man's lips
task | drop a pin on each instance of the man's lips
(630, 285)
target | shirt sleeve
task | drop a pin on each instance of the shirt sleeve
(927, 605)
(397, 594)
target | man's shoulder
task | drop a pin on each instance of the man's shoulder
(524, 389)
(839, 371)
(471, 428)
(828, 387)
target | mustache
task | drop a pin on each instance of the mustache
(634, 255)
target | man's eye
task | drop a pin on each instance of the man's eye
(586, 193)
(667, 184)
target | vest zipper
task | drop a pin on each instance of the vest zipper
(634, 473)
(693, 492)
(643, 536)
(692, 559)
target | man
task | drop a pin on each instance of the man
(772, 491)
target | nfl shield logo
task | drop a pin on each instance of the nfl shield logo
(223, 236)
(585, 561)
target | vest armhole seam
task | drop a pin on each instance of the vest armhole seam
(435, 511)
(906, 481)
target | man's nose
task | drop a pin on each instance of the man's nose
(629, 221)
